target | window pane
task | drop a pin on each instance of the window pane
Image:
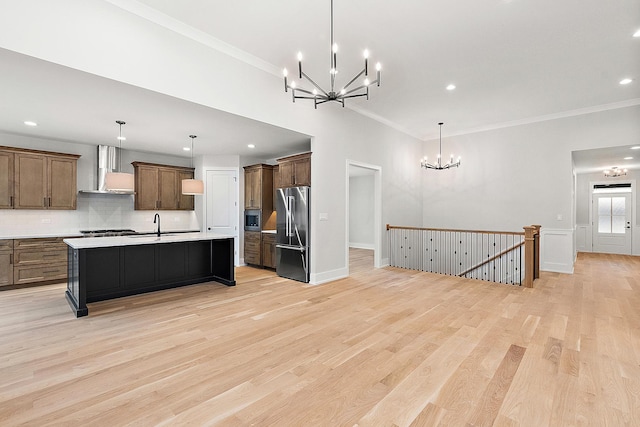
(617, 223)
(604, 206)
(617, 206)
(604, 224)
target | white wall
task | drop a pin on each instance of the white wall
(361, 213)
(522, 175)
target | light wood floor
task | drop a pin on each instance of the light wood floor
(385, 347)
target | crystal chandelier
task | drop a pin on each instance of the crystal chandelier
(614, 171)
(438, 164)
(319, 95)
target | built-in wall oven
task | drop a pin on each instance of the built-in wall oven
(252, 220)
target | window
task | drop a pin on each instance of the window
(611, 215)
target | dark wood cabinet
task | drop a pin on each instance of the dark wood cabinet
(39, 260)
(258, 187)
(159, 187)
(6, 179)
(97, 274)
(252, 249)
(294, 171)
(31, 179)
(6, 262)
(269, 250)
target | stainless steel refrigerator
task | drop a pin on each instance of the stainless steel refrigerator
(292, 225)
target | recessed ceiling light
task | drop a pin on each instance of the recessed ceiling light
(628, 158)
(30, 123)
(625, 81)
(636, 34)
(186, 148)
(636, 147)
(451, 87)
(251, 146)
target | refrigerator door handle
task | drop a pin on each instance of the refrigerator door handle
(293, 248)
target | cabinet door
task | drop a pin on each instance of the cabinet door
(30, 181)
(168, 191)
(6, 180)
(146, 197)
(62, 178)
(286, 174)
(185, 202)
(6, 267)
(252, 193)
(302, 172)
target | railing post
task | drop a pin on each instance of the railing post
(537, 252)
(529, 255)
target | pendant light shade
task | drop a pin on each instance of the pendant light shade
(119, 181)
(192, 187)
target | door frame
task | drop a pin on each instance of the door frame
(635, 237)
(377, 214)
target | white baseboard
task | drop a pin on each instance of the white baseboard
(328, 276)
(384, 262)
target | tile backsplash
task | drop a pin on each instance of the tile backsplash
(94, 211)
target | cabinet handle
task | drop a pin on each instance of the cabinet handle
(50, 271)
(11, 201)
(50, 255)
(11, 259)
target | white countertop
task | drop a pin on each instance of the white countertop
(269, 231)
(105, 242)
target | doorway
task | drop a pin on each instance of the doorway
(611, 213)
(363, 217)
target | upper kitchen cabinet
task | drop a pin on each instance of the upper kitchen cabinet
(258, 187)
(159, 187)
(37, 179)
(6, 180)
(294, 171)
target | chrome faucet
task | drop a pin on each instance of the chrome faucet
(157, 217)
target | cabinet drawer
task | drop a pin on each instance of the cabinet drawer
(37, 256)
(26, 274)
(6, 244)
(252, 247)
(252, 257)
(252, 236)
(40, 243)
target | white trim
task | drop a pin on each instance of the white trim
(362, 246)
(635, 231)
(238, 257)
(328, 276)
(377, 211)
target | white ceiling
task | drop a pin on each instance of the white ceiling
(513, 61)
(597, 160)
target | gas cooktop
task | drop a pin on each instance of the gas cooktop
(107, 233)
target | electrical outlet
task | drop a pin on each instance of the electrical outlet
(46, 220)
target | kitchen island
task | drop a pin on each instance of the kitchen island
(101, 268)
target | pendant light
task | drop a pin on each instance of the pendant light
(192, 187)
(119, 181)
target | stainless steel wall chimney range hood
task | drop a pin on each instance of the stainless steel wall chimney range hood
(108, 159)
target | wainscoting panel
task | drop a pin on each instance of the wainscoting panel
(583, 238)
(556, 251)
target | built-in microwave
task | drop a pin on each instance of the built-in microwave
(252, 220)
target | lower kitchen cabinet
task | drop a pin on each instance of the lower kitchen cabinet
(252, 249)
(6, 262)
(39, 260)
(269, 250)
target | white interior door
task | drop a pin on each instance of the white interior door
(222, 204)
(612, 223)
